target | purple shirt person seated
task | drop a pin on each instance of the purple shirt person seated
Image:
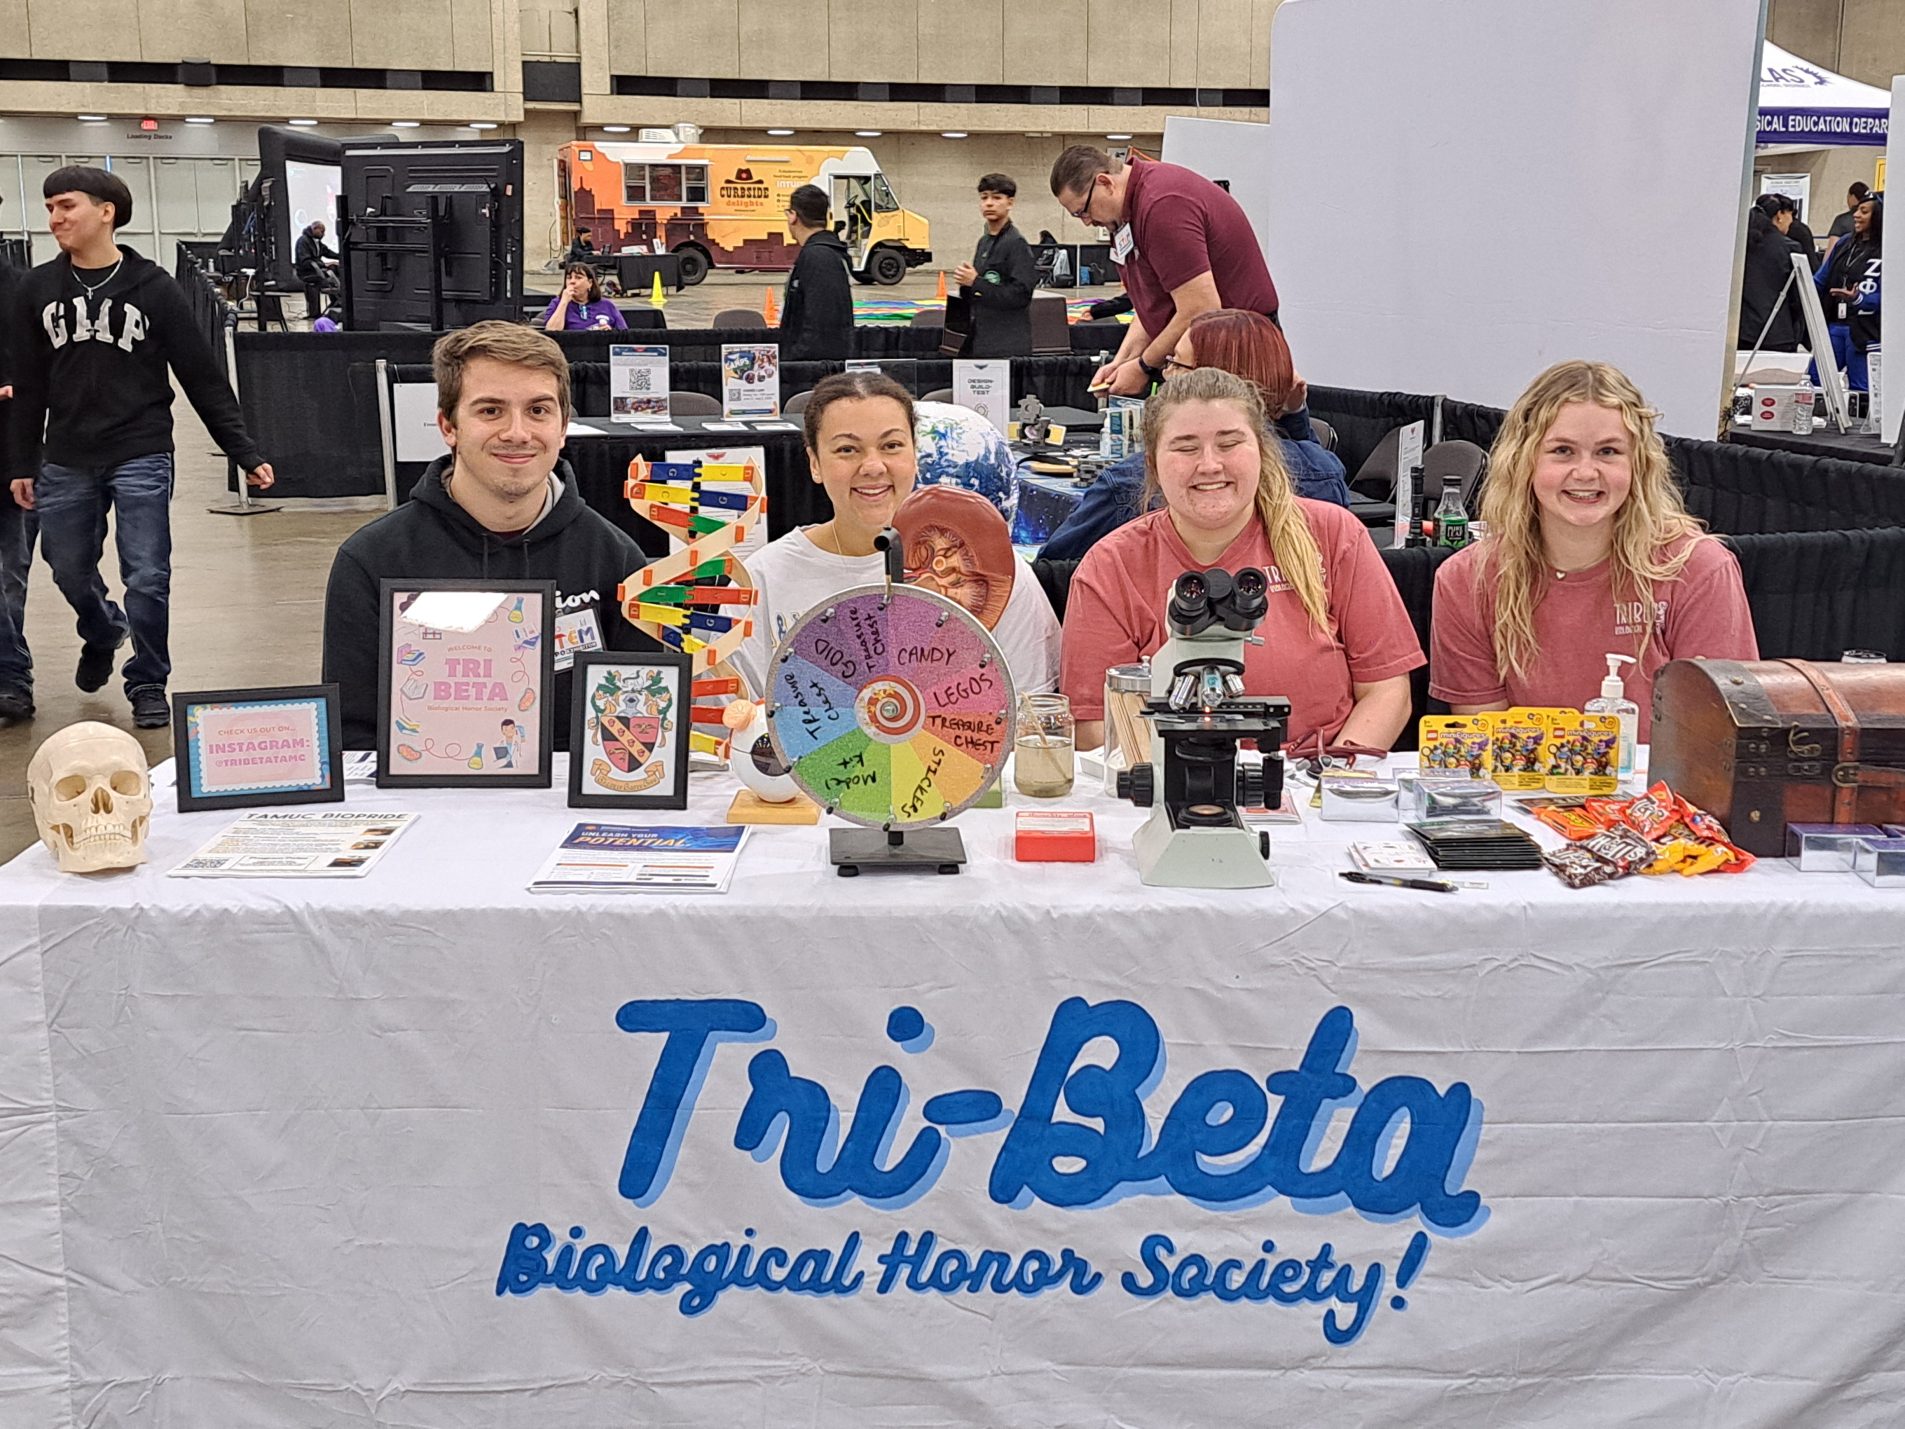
(580, 305)
(582, 316)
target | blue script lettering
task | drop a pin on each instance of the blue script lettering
(951, 1270)
(808, 1114)
(1221, 1113)
(692, 1029)
(1082, 1135)
(1289, 1281)
(702, 1275)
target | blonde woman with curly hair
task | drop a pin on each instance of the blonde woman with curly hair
(1337, 642)
(1589, 552)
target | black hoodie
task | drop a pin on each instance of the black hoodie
(93, 369)
(430, 537)
(817, 316)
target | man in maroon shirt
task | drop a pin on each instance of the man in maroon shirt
(1184, 244)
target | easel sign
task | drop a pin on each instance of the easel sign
(1831, 380)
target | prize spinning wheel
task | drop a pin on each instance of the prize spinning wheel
(891, 707)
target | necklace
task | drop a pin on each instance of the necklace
(111, 273)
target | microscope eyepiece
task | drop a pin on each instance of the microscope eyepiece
(1251, 601)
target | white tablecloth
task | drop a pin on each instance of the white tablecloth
(264, 1145)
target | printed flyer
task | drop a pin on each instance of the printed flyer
(638, 382)
(619, 858)
(750, 380)
(337, 844)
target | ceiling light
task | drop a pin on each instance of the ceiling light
(1038, 133)
(867, 133)
(304, 123)
(780, 133)
(92, 119)
(198, 119)
(406, 124)
(1117, 136)
(952, 133)
(615, 128)
(481, 124)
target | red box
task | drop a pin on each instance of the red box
(1055, 836)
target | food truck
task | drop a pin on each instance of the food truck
(726, 204)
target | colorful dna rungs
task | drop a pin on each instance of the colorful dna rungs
(696, 599)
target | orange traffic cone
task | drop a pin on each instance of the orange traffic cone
(769, 314)
(941, 295)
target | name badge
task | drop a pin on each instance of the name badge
(579, 630)
(1122, 247)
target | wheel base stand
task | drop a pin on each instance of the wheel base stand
(927, 851)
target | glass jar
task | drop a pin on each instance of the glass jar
(1042, 752)
(1127, 733)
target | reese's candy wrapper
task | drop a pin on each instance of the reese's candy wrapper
(1570, 823)
(1674, 855)
(1709, 859)
(1653, 813)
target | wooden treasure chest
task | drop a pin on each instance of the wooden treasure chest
(1765, 743)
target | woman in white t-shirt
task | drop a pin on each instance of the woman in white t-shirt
(861, 448)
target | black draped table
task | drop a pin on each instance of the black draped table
(601, 466)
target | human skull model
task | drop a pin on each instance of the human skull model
(91, 797)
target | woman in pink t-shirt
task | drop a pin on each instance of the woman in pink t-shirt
(1590, 552)
(1336, 641)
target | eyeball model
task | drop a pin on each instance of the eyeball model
(753, 759)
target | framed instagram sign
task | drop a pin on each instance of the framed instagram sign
(465, 683)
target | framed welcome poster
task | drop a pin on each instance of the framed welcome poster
(628, 743)
(465, 683)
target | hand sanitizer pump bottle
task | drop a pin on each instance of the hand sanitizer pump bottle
(1614, 701)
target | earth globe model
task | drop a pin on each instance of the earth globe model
(958, 447)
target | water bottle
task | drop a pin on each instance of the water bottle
(1451, 519)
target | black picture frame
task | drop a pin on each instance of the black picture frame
(390, 774)
(184, 737)
(584, 780)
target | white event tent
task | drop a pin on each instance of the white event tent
(1804, 105)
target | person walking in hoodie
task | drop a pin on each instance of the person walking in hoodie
(93, 429)
(499, 506)
(817, 313)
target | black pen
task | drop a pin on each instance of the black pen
(1391, 880)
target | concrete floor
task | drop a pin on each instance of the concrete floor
(247, 591)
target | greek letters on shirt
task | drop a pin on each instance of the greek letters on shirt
(1868, 285)
(131, 323)
(1628, 615)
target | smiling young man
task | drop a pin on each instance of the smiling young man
(500, 506)
(93, 427)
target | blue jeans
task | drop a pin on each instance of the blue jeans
(1842, 355)
(18, 530)
(72, 503)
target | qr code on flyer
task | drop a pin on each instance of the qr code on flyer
(642, 380)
